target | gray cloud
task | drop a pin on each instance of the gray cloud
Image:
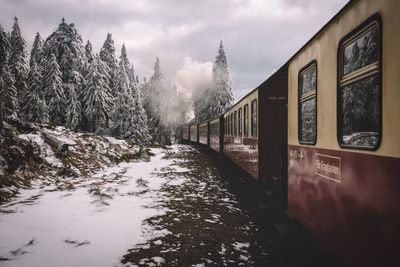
(258, 35)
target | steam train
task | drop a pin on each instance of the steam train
(323, 134)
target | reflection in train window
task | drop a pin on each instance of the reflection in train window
(308, 104)
(359, 89)
(240, 121)
(246, 120)
(254, 118)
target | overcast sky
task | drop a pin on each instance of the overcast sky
(258, 35)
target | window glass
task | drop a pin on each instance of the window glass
(308, 104)
(254, 118)
(359, 93)
(240, 121)
(246, 120)
(361, 52)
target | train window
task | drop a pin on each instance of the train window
(227, 125)
(254, 118)
(246, 120)
(308, 104)
(359, 87)
(235, 123)
(240, 121)
(231, 123)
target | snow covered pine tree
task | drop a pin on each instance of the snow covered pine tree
(218, 98)
(95, 97)
(34, 108)
(18, 59)
(54, 92)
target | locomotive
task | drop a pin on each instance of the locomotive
(324, 133)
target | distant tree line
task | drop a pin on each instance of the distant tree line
(65, 83)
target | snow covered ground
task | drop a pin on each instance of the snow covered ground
(81, 221)
(173, 210)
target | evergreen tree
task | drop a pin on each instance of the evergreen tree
(54, 92)
(135, 122)
(221, 96)
(218, 98)
(107, 55)
(4, 49)
(18, 59)
(73, 115)
(8, 93)
(89, 52)
(34, 108)
(123, 58)
(160, 98)
(37, 51)
(120, 101)
(67, 46)
(95, 98)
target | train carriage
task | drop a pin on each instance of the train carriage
(194, 133)
(343, 134)
(216, 134)
(255, 131)
(241, 134)
(185, 133)
(322, 137)
(203, 133)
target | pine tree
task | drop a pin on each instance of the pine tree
(124, 59)
(37, 51)
(4, 49)
(73, 115)
(107, 55)
(135, 122)
(67, 46)
(34, 108)
(120, 101)
(218, 98)
(221, 96)
(18, 59)
(8, 94)
(54, 92)
(95, 98)
(89, 52)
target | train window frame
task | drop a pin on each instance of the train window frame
(313, 94)
(371, 70)
(254, 133)
(240, 130)
(246, 120)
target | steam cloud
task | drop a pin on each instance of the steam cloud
(191, 80)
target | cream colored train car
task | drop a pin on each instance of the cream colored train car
(344, 134)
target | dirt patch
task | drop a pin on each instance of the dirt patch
(204, 223)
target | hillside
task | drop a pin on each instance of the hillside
(30, 153)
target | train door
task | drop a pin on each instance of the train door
(274, 148)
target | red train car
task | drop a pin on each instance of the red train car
(343, 133)
(255, 130)
(185, 133)
(216, 134)
(203, 133)
(194, 133)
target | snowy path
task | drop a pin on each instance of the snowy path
(103, 214)
(172, 210)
